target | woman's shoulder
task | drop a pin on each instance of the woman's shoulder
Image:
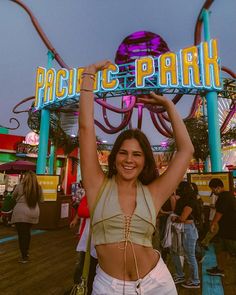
(17, 190)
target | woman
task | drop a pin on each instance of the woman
(125, 216)
(83, 213)
(28, 194)
(164, 215)
(187, 210)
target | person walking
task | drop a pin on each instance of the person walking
(83, 214)
(186, 211)
(209, 234)
(28, 194)
(225, 220)
(128, 198)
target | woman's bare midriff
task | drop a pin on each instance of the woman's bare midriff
(111, 259)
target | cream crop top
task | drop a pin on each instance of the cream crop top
(110, 225)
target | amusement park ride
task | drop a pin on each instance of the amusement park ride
(143, 62)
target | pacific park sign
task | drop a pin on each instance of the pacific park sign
(192, 67)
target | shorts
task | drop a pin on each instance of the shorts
(157, 281)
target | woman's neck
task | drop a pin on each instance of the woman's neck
(124, 182)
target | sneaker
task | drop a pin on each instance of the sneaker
(201, 259)
(215, 272)
(212, 268)
(23, 260)
(178, 280)
(191, 285)
(203, 246)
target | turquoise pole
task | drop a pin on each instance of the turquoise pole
(44, 131)
(204, 112)
(212, 113)
(51, 159)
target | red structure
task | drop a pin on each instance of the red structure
(9, 151)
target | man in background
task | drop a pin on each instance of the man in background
(225, 218)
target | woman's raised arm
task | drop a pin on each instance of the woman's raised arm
(165, 184)
(91, 171)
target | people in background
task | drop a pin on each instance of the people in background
(28, 195)
(186, 211)
(199, 222)
(225, 220)
(84, 216)
(210, 234)
(166, 210)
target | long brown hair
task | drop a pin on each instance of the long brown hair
(149, 172)
(31, 189)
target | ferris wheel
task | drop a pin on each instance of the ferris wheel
(227, 113)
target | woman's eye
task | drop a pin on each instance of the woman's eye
(121, 152)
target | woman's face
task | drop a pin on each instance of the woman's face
(130, 160)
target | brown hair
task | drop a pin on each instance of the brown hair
(149, 172)
(185, 190)
(216, 182)
(31, 188)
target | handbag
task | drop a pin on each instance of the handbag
(8, 204)
(82, 287)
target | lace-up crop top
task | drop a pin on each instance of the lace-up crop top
(110, 225)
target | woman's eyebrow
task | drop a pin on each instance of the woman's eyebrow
(133, 151)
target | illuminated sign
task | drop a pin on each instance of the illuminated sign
(202, 182)
(192, 67)
(49, 186)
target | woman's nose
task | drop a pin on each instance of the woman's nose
(129, 158)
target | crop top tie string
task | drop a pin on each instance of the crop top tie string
(127, 221)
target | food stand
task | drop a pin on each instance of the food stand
(56, 207)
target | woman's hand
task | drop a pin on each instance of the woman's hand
(73, 224)
(212, 227)
(174, 218)
(99, 66)
(154, 100)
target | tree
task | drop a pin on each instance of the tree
(229, 137)
(198, 132)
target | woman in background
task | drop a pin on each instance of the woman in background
(186, 211)
(28, 194)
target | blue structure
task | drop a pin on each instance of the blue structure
(44, 132)
(212, 113)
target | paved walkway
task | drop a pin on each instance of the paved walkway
(53, 260)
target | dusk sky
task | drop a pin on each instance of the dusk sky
(86, 31)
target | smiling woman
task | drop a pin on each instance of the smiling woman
(126, 208)
(133, 145)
